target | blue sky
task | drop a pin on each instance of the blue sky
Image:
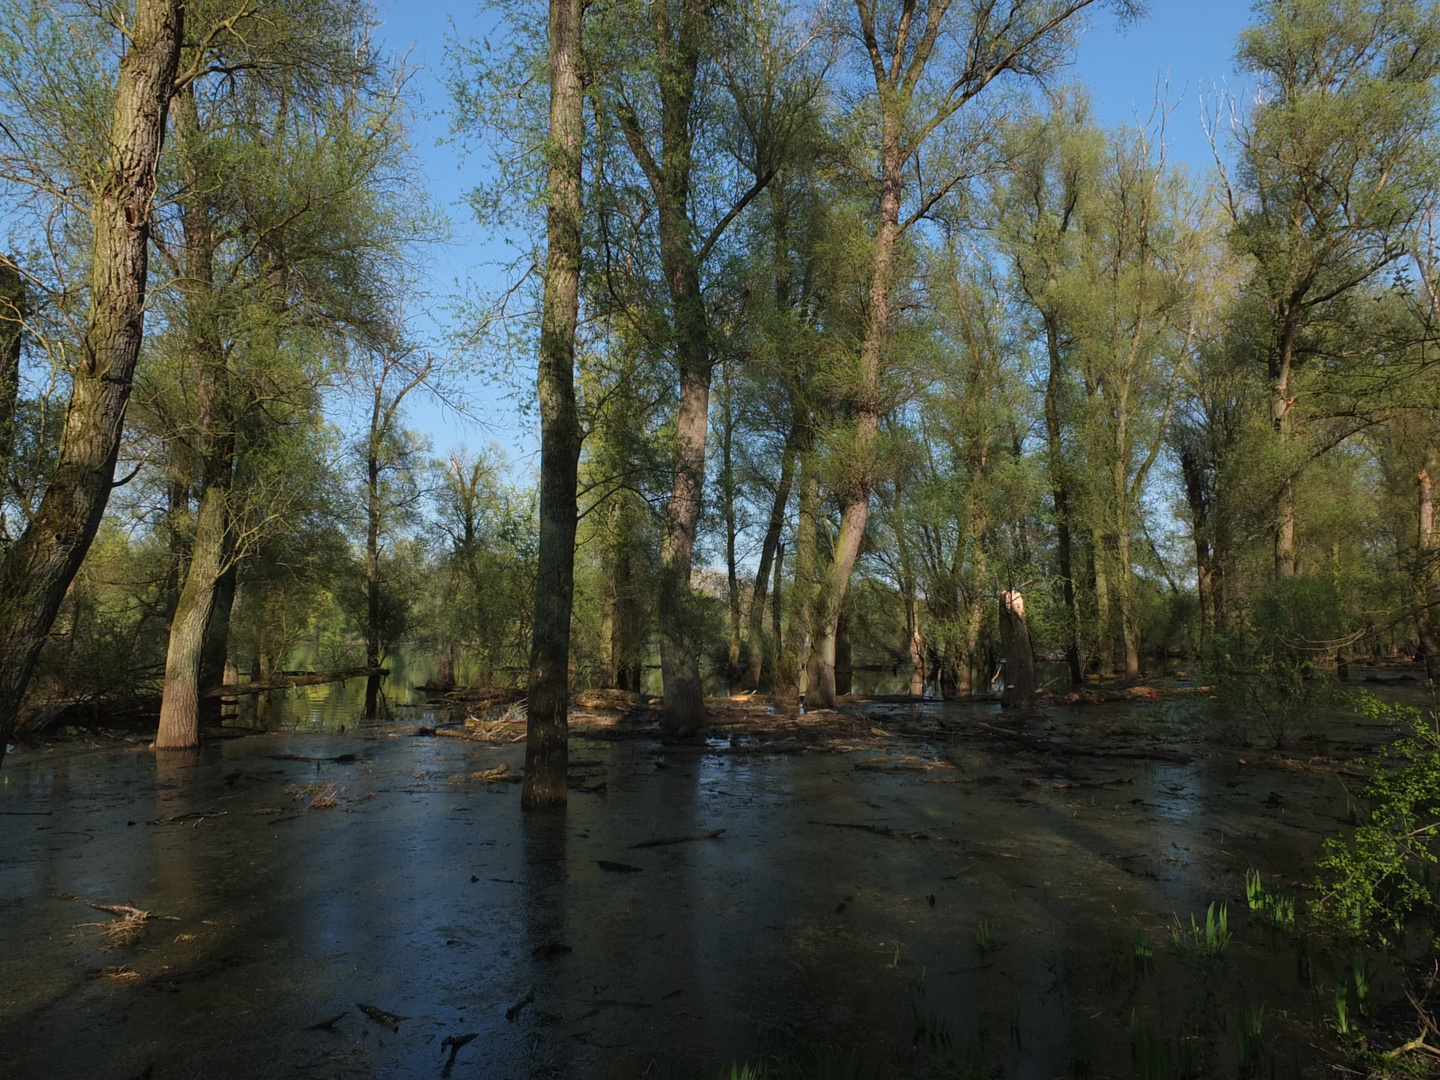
(1189, 44)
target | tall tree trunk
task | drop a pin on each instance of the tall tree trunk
(844, 659)
(1060, 495)
(372, 570)
(776, 612)
(795, 655)
(1196, 498)
(1280, 406)
(915, 639)
(217, 641)
(37, 569)
(727, 508)
(1428, 572)
(13, 311)
(755, 654)
(1019, 655)
(180, 701)
(861, 481)
(547, 726)
(684, 697)
(210, 551)
(1104, 628)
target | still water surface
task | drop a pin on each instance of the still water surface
(1006, 938)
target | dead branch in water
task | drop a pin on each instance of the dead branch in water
(664, 841)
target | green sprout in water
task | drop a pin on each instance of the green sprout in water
(1144, 952)
(1361, 977)
(1208, 941)
(985, 937)
(1247, 1035)
(1279, 907)
(1342, 1011)
(1147, 1049)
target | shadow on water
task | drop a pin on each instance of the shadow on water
(949, 906)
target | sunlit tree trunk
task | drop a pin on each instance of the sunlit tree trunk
(37, 569)
(1019, 655)
(547, 729)
(796, 652)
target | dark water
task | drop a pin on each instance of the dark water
(426, 893)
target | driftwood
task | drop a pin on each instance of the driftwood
(1046, 746)
(285, 682)
(381, 1016)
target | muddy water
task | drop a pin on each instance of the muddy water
(1006, 937)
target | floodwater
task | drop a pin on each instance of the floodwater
(1028, 928)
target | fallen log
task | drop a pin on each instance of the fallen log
(285, 682)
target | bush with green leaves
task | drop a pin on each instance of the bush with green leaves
(1267, 668)
(1380, 876)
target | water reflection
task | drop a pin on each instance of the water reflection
(427, 894)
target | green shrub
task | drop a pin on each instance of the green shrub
(1380, 875)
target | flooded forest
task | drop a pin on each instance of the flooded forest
(961, 599)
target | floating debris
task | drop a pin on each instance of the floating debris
(380, 1016)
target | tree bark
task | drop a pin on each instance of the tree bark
(1427, 592)
(1060, 494)
(727, 508)
(755, 652)
(372, 563)
(210, 552)
(1192, 472)
(217, 641)
(844, 660)
(1280, 406)
(1019, 656)
(547, 728)
(37, 569)
(13, 311)
(776, 640)
(861, 481)
(795, 654)
(180, 700)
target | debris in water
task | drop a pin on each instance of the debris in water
(663, 841)
(550, 950)
(453, 1043)
(380, 1016)
(617, 867)
(514, 1010)
(326, 1025)
(491, 775)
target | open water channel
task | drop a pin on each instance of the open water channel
(1023, 929)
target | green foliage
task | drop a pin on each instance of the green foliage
(1265, 665)
(1207, 942)
(1381, 874)
(1278, 907)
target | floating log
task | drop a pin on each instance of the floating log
(285, 682)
